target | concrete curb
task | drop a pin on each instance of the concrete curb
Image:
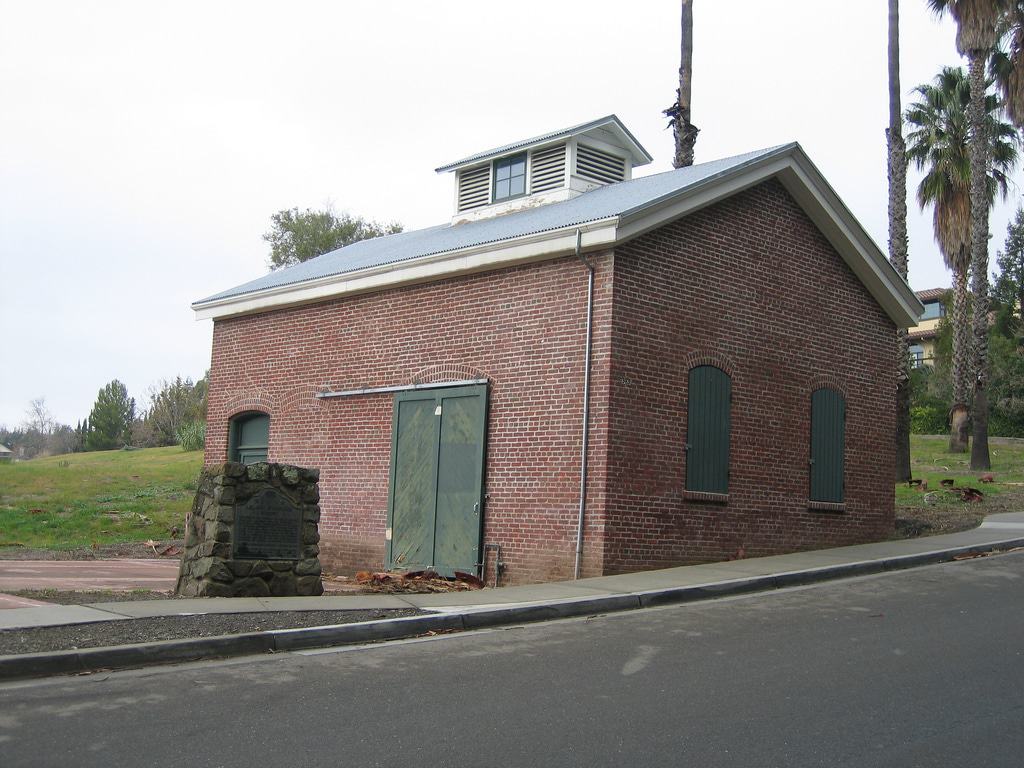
(33, 665)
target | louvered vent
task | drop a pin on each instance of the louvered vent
(595, 165)
(474, 188)
(547, 169)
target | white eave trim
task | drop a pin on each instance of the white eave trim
(819, 201)
(480, 258)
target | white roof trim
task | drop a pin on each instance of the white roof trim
(790, 165)
(480, 258)
(819, 201)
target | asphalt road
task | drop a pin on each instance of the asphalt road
(917, 668)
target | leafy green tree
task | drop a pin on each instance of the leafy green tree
(928, 411)
(938, 143)
(110, 421)
(172, 404)
(81, 431)
(296, 236)
(1008, 283)
(1006, 415)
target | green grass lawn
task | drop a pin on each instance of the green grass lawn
(92, 499)
(931, 461)
(112, 497)
(932, 511)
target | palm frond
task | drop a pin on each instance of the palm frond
(938, 144)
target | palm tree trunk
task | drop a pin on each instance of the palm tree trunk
(685, 132)
(958, 415)
(898, 238)
(979, 256)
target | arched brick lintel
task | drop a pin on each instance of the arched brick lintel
(243, 403)
(709, 357)
(827, 381)
(447, 372)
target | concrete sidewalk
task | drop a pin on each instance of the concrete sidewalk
(469, 610)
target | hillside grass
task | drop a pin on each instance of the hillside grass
(112, 497)
(97, 498)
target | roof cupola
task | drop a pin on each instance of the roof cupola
(545, 169)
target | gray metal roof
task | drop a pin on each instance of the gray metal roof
(640, 154)
(605, 202)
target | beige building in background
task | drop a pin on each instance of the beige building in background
(922, 337)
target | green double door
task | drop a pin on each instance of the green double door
(436, 486)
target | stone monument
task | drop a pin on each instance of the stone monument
(252, 532)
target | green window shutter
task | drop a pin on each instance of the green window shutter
(707, 430)
(828, 441)
(249, 438)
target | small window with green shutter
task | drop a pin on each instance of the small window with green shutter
(249, 438)
(828, 443)
(709, 393)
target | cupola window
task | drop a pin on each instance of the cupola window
(509, 177)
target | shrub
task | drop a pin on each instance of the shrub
(192, 436)
(1001, 424)
(928, 419)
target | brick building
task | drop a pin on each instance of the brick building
(613, 374)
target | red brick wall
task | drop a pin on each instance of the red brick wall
(751, 284)
(523, 328)
(748, 283)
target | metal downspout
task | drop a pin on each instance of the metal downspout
(586, 404)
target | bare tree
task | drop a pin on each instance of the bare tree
(38, 417)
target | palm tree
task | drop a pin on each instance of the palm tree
(979, 24)
(1007, 63)
(938, 143)
(897, 151)
(679, 113)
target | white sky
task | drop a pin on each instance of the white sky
(144, 145)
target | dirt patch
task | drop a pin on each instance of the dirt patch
(131, 550)
(127, 631)
(65, 597)
(913, 522)
(936, 512)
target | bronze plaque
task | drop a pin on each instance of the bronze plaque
(267, 527)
